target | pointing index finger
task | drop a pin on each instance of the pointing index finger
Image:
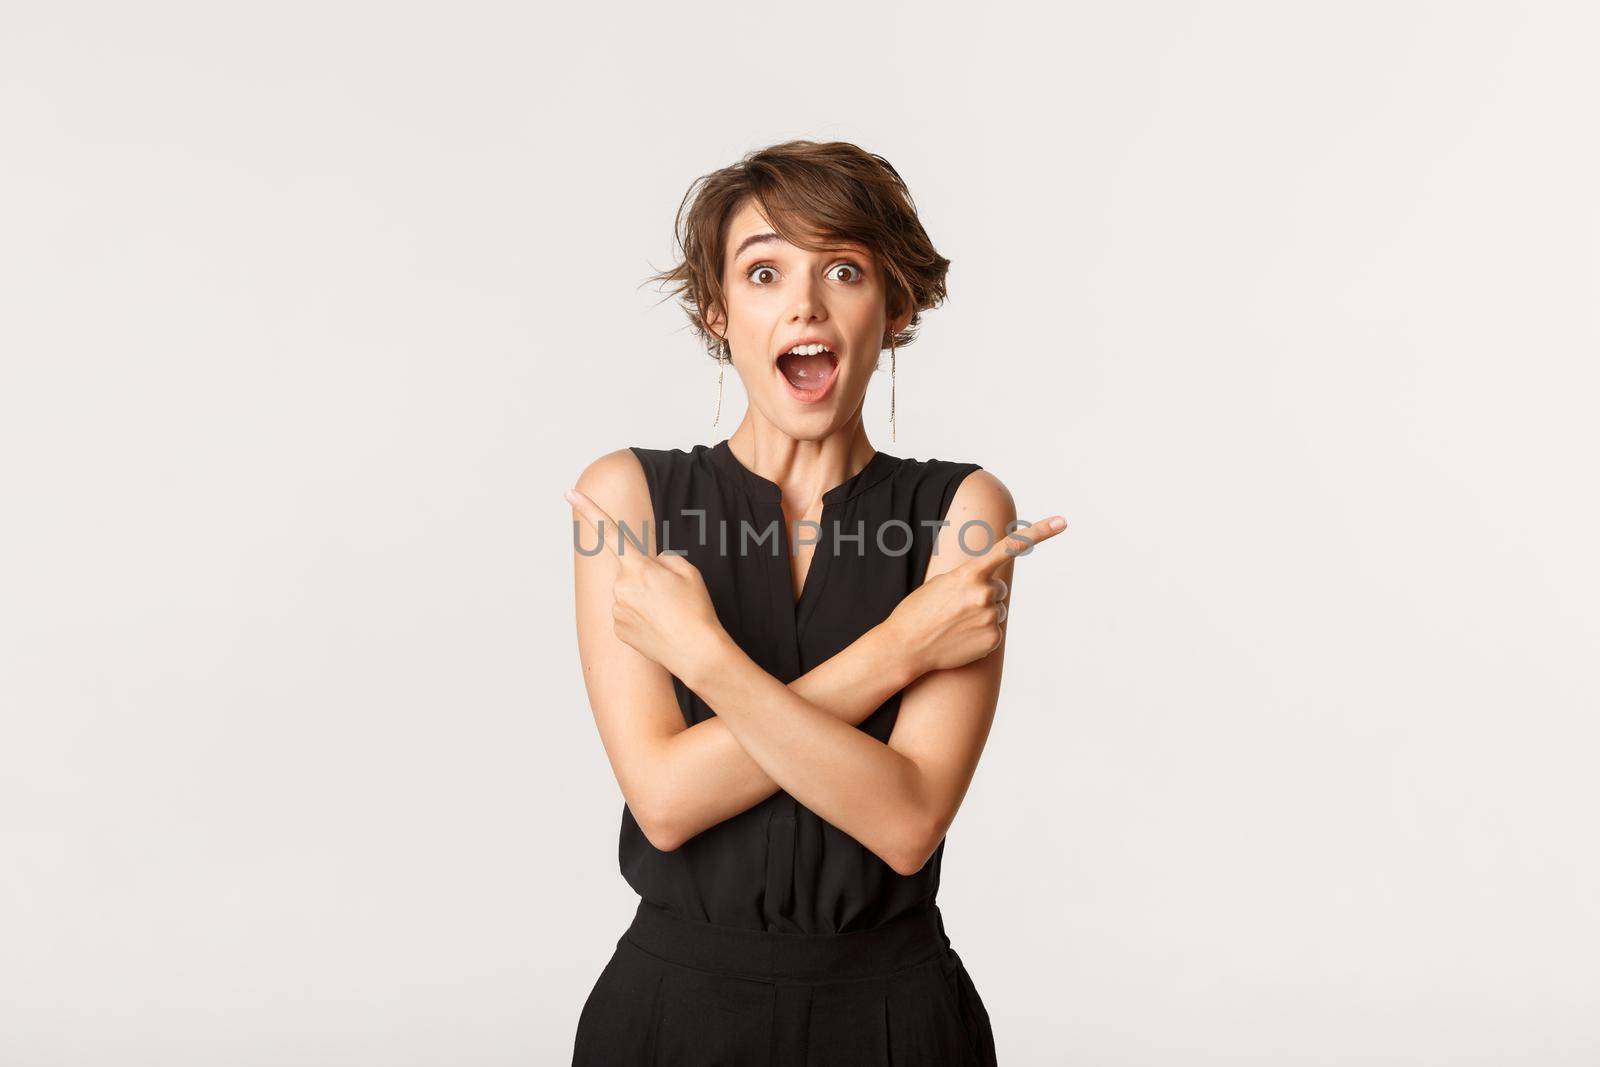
(1018, 542)
(598, 517)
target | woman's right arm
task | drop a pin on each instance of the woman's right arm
(679, 781)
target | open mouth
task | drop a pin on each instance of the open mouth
(808, 372)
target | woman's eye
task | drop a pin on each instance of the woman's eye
(759, 269)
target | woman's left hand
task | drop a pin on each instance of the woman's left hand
(662, 607)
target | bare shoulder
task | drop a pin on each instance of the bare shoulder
(981, 493)
(616, 481)
(981, 512)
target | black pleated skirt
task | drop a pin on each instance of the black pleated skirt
(680, 993)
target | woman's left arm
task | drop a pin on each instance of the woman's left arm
(896, 799)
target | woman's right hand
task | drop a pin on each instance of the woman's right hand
(956, 617)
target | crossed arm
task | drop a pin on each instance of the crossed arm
(897, 799)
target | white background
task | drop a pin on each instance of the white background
(309, 312)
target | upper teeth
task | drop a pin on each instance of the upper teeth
(808, 350)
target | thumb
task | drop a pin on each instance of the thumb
(676, 562)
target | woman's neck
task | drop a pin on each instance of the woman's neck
(803, 469)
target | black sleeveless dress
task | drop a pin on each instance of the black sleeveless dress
(774, 937)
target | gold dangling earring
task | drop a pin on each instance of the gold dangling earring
(891, 387)
(723, 354)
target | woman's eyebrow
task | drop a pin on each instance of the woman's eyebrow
(767, 238)
(754, 239)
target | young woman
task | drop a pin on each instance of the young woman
(794, 693)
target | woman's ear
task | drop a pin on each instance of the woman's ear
(899, 312)
(715, 323)
(899, 321)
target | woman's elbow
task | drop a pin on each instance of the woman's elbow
(916, 848)
(659, 827)
(905, 866)
(664, 839)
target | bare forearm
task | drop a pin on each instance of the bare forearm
(708, 777)
(848, 778)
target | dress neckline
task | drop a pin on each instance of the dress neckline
(879, 467)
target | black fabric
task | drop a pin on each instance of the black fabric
(679, 993)
(777, 869)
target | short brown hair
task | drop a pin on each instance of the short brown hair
(832, 189)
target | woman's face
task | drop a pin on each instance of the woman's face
(779, 295)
